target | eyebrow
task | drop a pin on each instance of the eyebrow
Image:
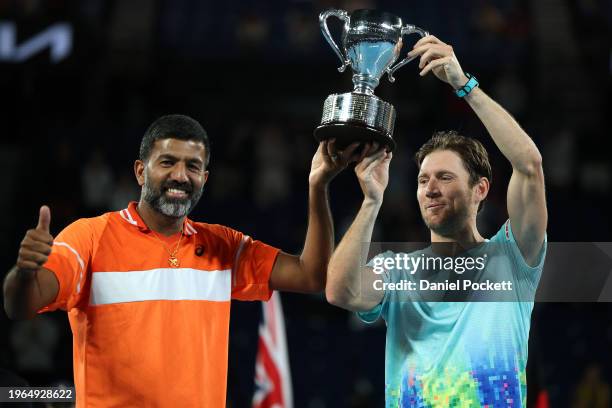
(438, 173)
(171, 157)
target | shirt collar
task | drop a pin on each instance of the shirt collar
(131, 216)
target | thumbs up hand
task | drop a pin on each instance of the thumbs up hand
(36, 245)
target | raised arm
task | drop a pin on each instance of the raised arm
(349, 281)
(28, 286)
(306, 273)
(526, 198)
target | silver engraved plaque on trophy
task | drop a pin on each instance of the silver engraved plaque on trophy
(371, 43)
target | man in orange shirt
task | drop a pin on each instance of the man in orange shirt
(148, 290)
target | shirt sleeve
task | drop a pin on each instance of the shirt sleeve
(69, 261)
(523, 271)
(253, 263)
(372, 315)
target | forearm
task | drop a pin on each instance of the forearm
(319, 243)
(20, 289)
(345, 286)
(507, 134)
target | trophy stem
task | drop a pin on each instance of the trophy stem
(364, 84)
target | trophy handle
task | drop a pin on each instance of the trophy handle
(342, 15)
(409, 29)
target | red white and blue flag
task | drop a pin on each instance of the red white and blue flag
(272, 373)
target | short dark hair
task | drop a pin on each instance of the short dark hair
(473, 154)
(175, 126)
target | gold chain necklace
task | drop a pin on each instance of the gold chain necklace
(172, 259)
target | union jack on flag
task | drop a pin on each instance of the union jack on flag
(272, 373)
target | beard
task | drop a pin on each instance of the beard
(450, 223)
(170, 207)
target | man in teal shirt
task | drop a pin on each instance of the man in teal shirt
(452, 354)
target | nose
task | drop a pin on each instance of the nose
(431, 189)
(179, 173)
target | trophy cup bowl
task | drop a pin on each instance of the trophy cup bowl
(371, 43)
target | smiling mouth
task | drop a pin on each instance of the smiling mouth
(176, 193)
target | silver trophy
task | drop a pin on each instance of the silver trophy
(371, 43)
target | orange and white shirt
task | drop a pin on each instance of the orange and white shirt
(146, 334)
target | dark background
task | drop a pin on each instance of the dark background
(255, 74)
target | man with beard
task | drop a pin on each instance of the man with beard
(441, 353)
(148, 290)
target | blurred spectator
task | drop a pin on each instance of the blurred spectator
(34, 344)
(97, 183)
(302, 34)
(352, 5)
(363, 394)
(252, 31)
(592, 391)
(595, 177)
(126, 190)
(559, 164)
(63, 184)
(273, 158)
(510, 92)
(231, 183)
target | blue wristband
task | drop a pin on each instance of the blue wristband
(467, 88)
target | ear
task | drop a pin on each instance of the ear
(481, 189)
(206, 174)
(139, 168)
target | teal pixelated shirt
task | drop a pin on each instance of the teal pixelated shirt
(460, 354)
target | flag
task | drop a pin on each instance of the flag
(272, 373)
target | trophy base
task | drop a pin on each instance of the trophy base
(347, 133)
(356, 117)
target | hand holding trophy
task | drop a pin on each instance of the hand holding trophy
(371, 43)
